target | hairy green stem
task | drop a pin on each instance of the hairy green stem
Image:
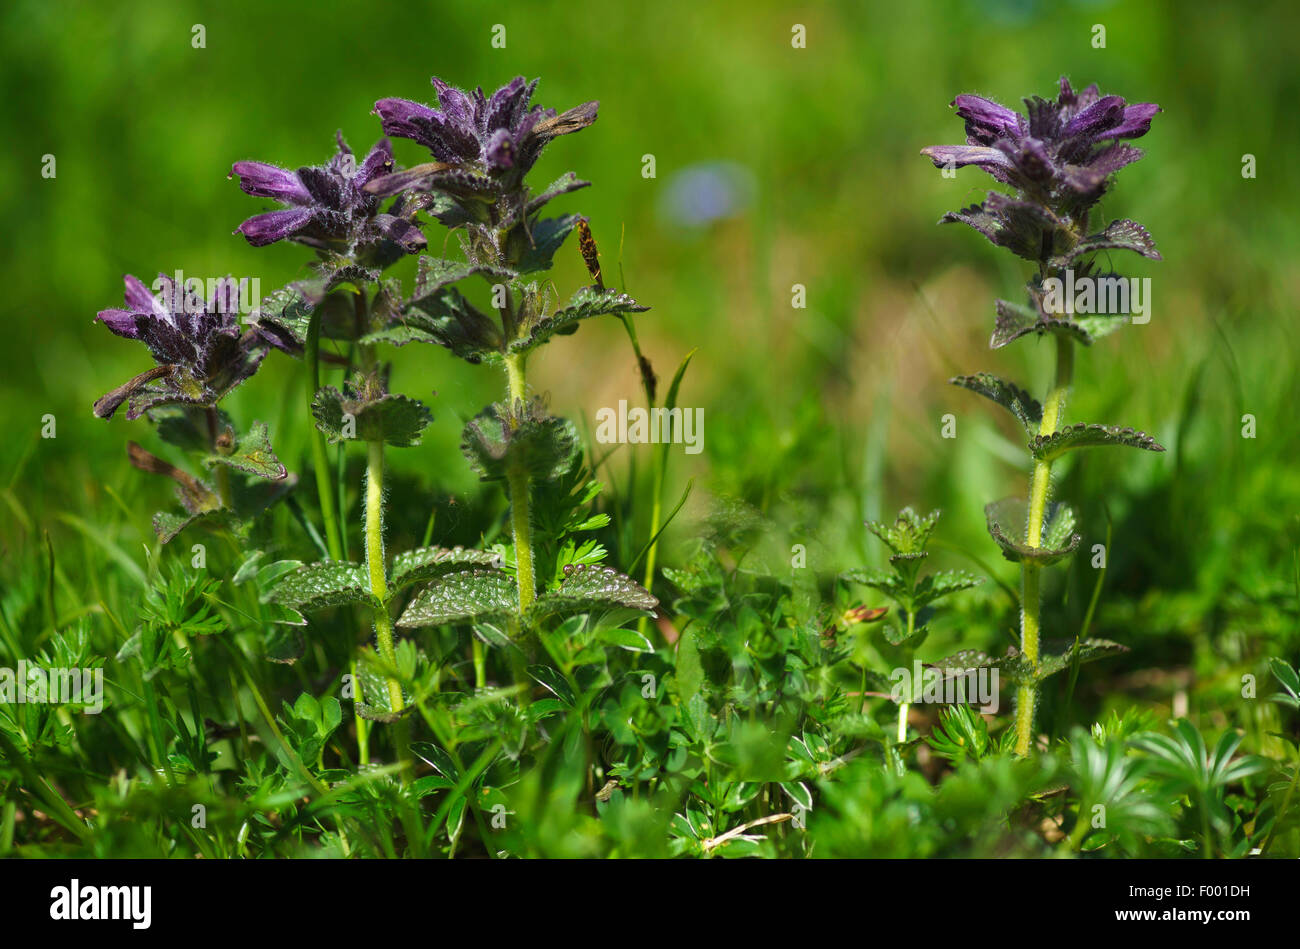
(1039, 491)
(902, 706)
(480, 663)
(517, 482)
(375, 564)
(379, 588)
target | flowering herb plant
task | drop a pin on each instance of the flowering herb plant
(360, 218)
(1057, 160)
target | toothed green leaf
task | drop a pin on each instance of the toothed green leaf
(1006, 525)
(499, 437)
(1058, 656)
(887, 582)
(535, 248)
(1006, 394)
(477, 595)
(167, 524)
(935, 586)
(586, 303)
(318, 586)
(432, 274)
(252, 454)
(427, 563)
(395, 419)
(1058, 527)
(284, 316)
(908, 533)
(283, 642)
(1015, 320)
(896, 635)
(565, 184)
(1118, 235)
(966, 659)
(1049, 447)
(589, 587)
(443, 317)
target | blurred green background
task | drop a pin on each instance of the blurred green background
(817, 417)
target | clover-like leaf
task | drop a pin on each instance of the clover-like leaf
(1006, 394)
(428, 563)
(318, 586)
(394, 419)
(252, 454)
(1006, 525)
(525, 436)
(1082, 435)
(476, 595)
(589, 587)
(586, 303)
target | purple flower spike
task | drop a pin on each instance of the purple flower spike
(268, 181)
(483, 145)
(263, 229)
(197, 343)
(1056, 145)
(1058, 157)
(328, 206)
(986, 121)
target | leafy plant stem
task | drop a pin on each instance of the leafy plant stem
(902, 706)
(1053, 410)
(479, 656)
(363, 730)
(375, 564)
(517, 481)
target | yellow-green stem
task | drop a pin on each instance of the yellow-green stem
(902, 706)
(1039, 492)
(517, 482)
(375, 565)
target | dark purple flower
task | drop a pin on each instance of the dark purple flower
(328, 208)
(474, 136)
(1058, 157)
(1066, 148)
(200, 349)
